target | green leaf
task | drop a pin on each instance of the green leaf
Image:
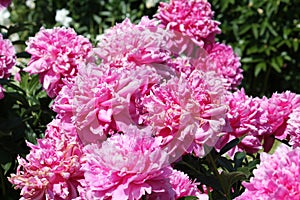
(274, 63)
(229, 178)
(6, 167)
(229, 145)
(226, 163)
(259, 67)
(255, 30)
(296, 44)
(238, 159)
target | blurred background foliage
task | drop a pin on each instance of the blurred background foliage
(264, 33)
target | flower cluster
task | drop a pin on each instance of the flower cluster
(276, 177)
(261, 120)
(146, 95)
(7, 60)
(55, 55)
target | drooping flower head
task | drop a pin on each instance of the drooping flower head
(52, 168)
(245, 117)
(55, 55)
(127, 166)
(192, 18)
(276, 177)
(278, 107)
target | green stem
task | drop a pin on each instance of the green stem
(216, 173)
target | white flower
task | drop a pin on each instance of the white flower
(151, 3)
(30, 4)
(62, 17)
(4, 17)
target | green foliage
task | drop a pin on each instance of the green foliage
(265, 34)
(218, 174)
(89, 17)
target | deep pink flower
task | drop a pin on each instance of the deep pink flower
(4, 3)
(225, 62)
(52, 168)
(276, 177)
(278, 107)
(192, 18)
(55, 56)
(127, 166)
(293, 127)
(7, 57)
(2, 90)
(244, 116)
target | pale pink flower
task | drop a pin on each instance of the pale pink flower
(192, 18)
(52, 168)
(127, 166)
(144, 43)
(186, 113)
(276, 177)
(4, 3)
(225, 62)
(103, 98)
(55, 56)
(183, 186)
(7, 57)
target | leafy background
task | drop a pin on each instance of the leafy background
(264, 33)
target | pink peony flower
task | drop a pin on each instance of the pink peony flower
(293, 127)
(7, 57)
(192, 18)
(183, 186)
(4, 3)
(186, 113)
(104, 97)
(55, 55)
(278, 107)
(276, 177)
(127, 166)
(225, 62)
(245, 117)
(144, 43)
(52, 168)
